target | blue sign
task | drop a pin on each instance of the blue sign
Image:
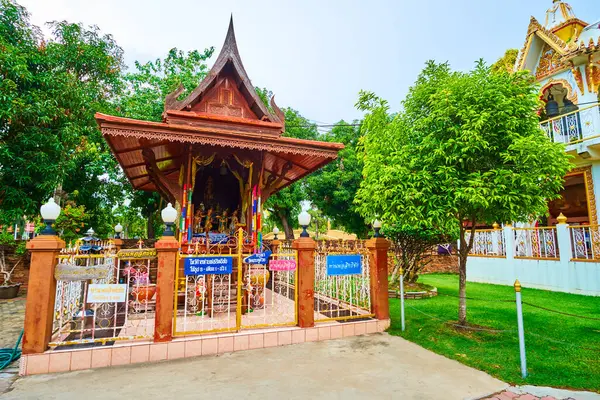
(214, 238)
(258, 258)
(346, 264)
(208, 265)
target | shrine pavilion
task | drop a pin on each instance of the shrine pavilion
(218, 154)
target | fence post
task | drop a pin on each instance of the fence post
(402, 298)
(509, 241)
(521, 329)
(306, 281)
(563, 239)
(41, 292)
(166, 248)
(378, 247)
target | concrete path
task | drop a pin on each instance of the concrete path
(12, 317)
(377, 366)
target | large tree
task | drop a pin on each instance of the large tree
(143, 98)
(467, 149)
(333, 188)
(49, 91)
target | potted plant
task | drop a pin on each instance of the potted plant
(8, 289)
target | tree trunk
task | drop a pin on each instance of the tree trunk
(463, 254)
(462, 289)
(150, 226)
(287, 229)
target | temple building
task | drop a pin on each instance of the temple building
(218, 154)
(563, 52)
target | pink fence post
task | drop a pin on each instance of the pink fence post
(306, 281)
(378, 247)
(41, 292)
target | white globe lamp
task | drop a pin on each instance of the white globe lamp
(169, 215)
(50, 212)
(118, 230)
(304, 221)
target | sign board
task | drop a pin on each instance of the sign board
(282, 265)
(344, 264)
(208, 265)
(136, 254)
(258, 258)
(106, 293)
(70, 272)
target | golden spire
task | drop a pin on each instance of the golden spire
(557, 14)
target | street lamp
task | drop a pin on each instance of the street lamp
(50, 212)
(169, 215)
(118, 230)
(275, 232)
(376, 228)
(304, 221)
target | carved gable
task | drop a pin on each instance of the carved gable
(224, 99)
(549, 62)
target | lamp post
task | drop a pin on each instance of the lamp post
(275, 233)
(304, 221)
(118, 230)
(50, 212)
(169, 215)
(376, 228)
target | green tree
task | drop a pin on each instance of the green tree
(466, 150)
(284, 206)
(333, 188)
(507, 62)
(49, 91)
(143, 98)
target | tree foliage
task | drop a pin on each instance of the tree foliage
(467, 149)
(284, 206)
(143, 98)
(507, 62)
(333, 188)
(49, 91)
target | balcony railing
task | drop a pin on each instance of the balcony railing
(487, 243)
(575, 126)
(585, 242)
(536, 243)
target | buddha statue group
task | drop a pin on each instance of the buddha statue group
(215, 220)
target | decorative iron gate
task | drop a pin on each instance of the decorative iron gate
(218, 290)
(103, 297)
(342, 297)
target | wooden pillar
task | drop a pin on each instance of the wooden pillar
(118, 244)
(306, 281)
(378, 247)
(41, 292)
(167, 248)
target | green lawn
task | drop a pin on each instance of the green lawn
(550, 363)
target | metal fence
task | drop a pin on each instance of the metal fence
(537, 243)
(575, 126)
(585, 242)
(101, 298)
(342, 297)
(487, 243)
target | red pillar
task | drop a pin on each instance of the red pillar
(378, 247)
(306, 281)
(41, 292)
(167, 248)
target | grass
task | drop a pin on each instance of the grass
(562, 351)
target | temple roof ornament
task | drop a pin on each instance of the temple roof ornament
(559, 13)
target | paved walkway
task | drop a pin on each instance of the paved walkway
(541, 393)
(377, 366)
(12, 315)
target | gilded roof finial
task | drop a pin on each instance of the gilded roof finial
(557, 14)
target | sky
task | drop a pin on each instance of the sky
(316, 55)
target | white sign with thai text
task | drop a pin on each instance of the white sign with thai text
(106, 293)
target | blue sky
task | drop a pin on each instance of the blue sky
(316, 55)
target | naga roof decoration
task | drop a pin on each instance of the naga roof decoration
(536, 29)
